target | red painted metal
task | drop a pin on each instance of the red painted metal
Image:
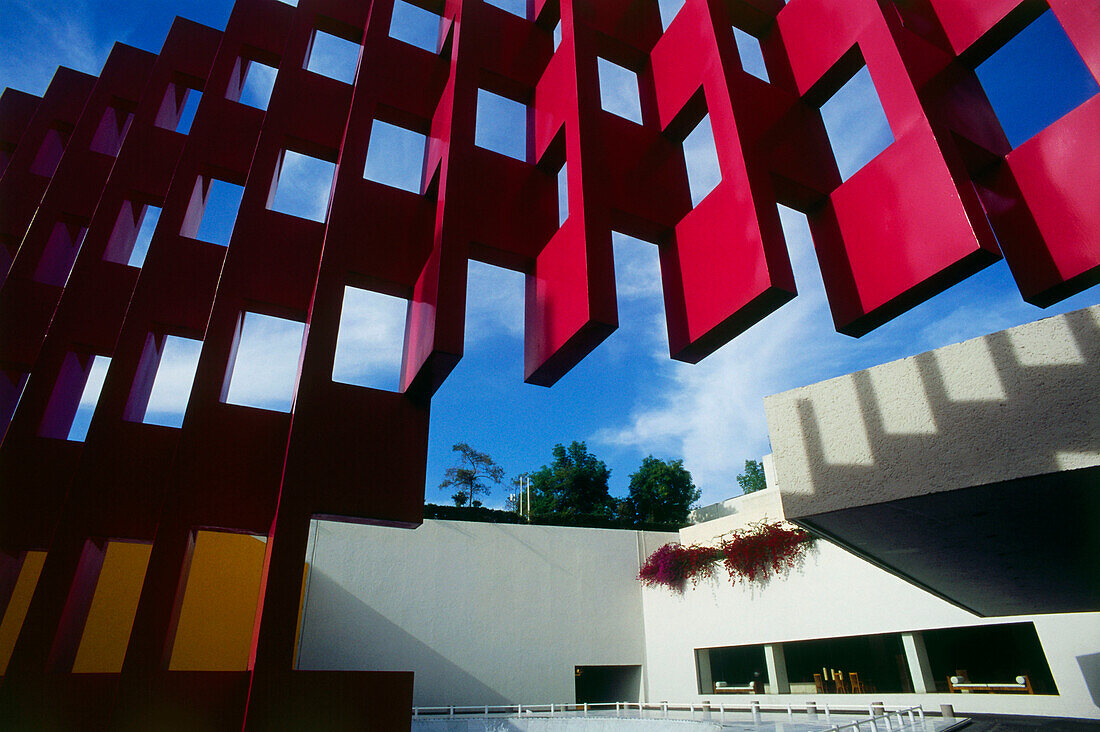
(912, 222)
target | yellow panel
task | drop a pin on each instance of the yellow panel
(18, 604)
(111, 616)
(214, 632)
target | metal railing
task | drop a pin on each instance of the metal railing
(879, 717)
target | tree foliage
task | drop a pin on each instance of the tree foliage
(574, 483)
(661, 491)
(470, 474)
(752, 479)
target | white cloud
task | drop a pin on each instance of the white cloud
(266, 365)
(494, 302)
(40, 36)
(372, 331)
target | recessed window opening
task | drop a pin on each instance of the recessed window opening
(177, 112)
(1035, 79)
(257, 82)
(415, 25)
(638, 291)
(395, 156)
(173, 360)
(75, 394)
(111, 131)
(212, 212)
(515, 7)
(113, 608)
(752, 56)
(495, 310)
(129, 242)
(669, 10)
(11, 619)
(218, 609)
(49, 154)
(501, 125)
(732, 667)
(563, 194)
(263, 368)
(370, 340)
(856, 124)
(989, 654)
(302, 187)
(619, 91)
(701, 156)
(333, 57)
(59, 254)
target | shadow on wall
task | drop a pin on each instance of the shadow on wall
(1090, 669)
(341, 633)
(979, 419)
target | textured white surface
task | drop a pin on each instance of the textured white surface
(1018, 403)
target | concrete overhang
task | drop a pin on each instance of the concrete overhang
(972, 471)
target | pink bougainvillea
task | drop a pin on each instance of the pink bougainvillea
(753, 554)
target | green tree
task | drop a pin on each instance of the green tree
(574, 483)
(661, 491)
(752, 479)
(469, 475)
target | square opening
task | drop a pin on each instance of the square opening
(501, 125)
(133, 232)
(218, 611)
(619, 91)
(165, 375)
(856, 124)
(113, 608)
(30, 569)
(59, 254)
(49, 154)
(212, 212)
(111, 131)
(395, 156)
(302, 186)
(370, 341)
(177, 111)
(75, 394)
(1035, 79)
(332, 56)
(703, 171)
(515, 7)
(669, 9)
(263, 365)
(752, 55)
(254, 82)
(415, 25)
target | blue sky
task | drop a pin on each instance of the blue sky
(627, 399)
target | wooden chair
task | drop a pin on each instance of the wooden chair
(853, 683)
(838, 682)
(819, 682)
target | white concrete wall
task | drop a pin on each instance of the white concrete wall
(886, 432)
(836, 594)
(482, 613)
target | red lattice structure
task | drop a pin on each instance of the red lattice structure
(77, 163)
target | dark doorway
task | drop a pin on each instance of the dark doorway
(600, 684)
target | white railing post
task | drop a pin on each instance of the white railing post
(827, 720)
(586, 709)
(790, 712)
(452, 711)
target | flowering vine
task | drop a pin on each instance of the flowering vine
(752, 554)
